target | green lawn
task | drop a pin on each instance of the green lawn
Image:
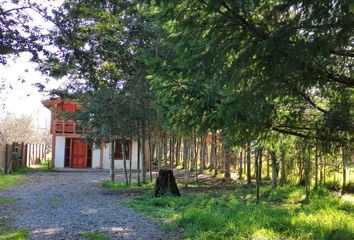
(7, 233)
(94, 236)
(281, 214)
(7, 180)
(122, 186)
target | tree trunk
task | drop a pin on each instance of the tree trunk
(195, 156)
(244, 149)
(260, 164)
(227, 155)
(178, 150)
(256, 166)
(316, 166)
(212, 150)
(138, 157)
(151, 150)
(268, 166)
(216, 160)
(240, 169)
(202, 154)
(165, 147)
(186, 150)
(112, 161)
(192, 152)
(283, 171)
(249, 163)
(159, 152)
(171, 153)
(307, 169)
(166, 184)
(130, 162)
(275, 169)
(344, 158)
(143, 149)
(122, 145)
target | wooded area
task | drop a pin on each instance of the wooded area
(215, 85)
(258, 91)
(271, 79)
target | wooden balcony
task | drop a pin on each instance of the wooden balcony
(68, 127)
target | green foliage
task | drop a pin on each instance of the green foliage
(9, 180)
(6, 200)
(123, 186)
(349, 188)
(255, 66)
(18, 32)
(333, 185)
(94, 236)
(7, 233)
(56, 201)
(235, 215)
(15, 177)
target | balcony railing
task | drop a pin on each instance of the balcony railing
(68, 127)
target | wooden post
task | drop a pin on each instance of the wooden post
(6, 158)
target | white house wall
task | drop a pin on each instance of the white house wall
(96, 157)
(106, 156)
(59, 151)
(118, 164)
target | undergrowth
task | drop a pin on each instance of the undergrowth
(94, 236)
(108, 184)
(281, 214)
(7, 233)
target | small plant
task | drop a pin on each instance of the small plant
(333, 185)
(94, 236)
(122, 186)
(7, 233)
(349, 188)
(225, 214)
(6, 200)
(56, 201)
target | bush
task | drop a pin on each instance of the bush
(333, 185)
(349, 188)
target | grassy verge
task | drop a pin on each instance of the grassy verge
(7, 233)
(233, 214)
(7, 180)
(122, 186)
(94, 236)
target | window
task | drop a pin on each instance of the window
(118, 155)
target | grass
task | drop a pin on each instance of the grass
(56, 201)
(15, 177)
(94, 236)
(6, 200)
(233, 214)
(7, 233)
(108, 184)
(9, 180)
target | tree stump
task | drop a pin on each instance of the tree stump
(166, 184)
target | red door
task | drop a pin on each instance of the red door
(78, 157)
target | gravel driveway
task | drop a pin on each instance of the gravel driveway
(61, 205)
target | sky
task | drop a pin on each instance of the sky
(22, 97)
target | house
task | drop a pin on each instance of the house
(70, 151)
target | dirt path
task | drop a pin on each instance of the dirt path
(61, 205)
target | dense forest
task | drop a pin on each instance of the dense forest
(259, 91)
